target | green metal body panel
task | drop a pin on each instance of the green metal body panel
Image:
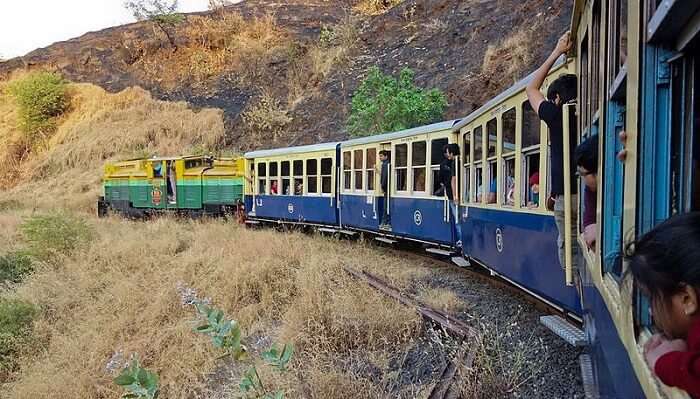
(117, 190)
(189, 193)
(141, 193)
(222, 190)
(192, 192)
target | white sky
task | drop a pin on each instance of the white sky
(26, 25)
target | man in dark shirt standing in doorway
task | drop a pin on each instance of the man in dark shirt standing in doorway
(383, 203)
(549, 109)
(448, 179)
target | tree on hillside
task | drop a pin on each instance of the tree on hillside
(162, 13)
(383, 103)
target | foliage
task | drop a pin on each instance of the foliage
(52, 234)
(384, 104)
(14, 266)
(163, 13)
(16, 318)
(326, 36)
(224, 333)
(41, 96)
(251, 382)
(139, 382)
(160, 11)
(266, 119)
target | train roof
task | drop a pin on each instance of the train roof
(401, 134)
(291, 150)
(511, 91)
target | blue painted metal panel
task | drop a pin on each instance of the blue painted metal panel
(296, 208)
(417, 218)
(360, 211)
(615, 376)
(248, 201)
(522, 247)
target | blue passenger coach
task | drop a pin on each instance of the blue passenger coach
(504, 173)
(417, 209)
(295, 184)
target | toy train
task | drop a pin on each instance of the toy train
(196, 185)
(638, 70)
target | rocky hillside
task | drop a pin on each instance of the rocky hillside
(283, 71)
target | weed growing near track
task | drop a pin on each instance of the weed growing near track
(54, 234)
(14, 266)
(16, 318)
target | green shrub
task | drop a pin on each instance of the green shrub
(14, 266)
(9, 205)
(48, 235)
(16, 318)
(385, 104)
(41, 97)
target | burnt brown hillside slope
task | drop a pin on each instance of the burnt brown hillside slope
(280, 80)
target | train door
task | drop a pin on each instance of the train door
(157, 185)
(171, 184)
(386, 184)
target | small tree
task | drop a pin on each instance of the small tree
(41, 97)
(162, 13)
(385, 104)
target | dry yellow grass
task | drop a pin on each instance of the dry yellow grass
(441, 299)
(375, 7)
(506, 59)
(65, 171)
(219, 43)
(120, 293)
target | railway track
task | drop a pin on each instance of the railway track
(496, 308)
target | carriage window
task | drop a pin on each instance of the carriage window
(530, 194)
(285, 177)
(262, 178)
(347, 173)
(508, 140)
(617, 37)
(478, 144)
(327, 175)
(584, 101)
(370, 168)
(685, 137)
(418, 154)
(358, 166)
(437, 155)
(531, 126)
(466, 194)
(298, 177)
(479, 181)
(401, 166)
(193, 163)
(312, 176)
(492, 134)
(508, 184)
(274, 183)
(491, 183)
(595, 58)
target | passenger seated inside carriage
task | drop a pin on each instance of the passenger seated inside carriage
(534, 183)
(490, 195)
(273, 187)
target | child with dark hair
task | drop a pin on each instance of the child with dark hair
(665, 263)
(586, 159)
(549, 109)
